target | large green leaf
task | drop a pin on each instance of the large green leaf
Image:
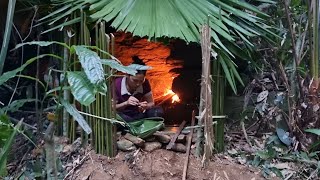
(313, 131)
(116, 65)
(16, 104)
(10, 74)
(42, 43)
(228, 74)
(76, 115)
(91, 63)
(81, 88)
(67, 23)
(7, 33)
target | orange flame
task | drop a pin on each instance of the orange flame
(175, 97)
(169, 91)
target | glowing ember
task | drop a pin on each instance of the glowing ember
(175, 97)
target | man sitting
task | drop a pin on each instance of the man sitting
(134, 99)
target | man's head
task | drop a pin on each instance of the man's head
(135, 81)
(138, 61)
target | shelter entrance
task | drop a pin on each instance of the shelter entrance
(175, 74)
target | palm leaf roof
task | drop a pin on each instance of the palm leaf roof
(171, 18)
(230, 21)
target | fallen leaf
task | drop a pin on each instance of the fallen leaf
(262, 96)
(281, 166)
(233, 151)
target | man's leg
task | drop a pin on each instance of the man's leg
(133, 117)
(155, 111)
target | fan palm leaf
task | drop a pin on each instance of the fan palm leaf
(230, 20)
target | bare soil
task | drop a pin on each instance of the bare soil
(160, 164)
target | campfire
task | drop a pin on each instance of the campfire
(168, 96)
(174, 96)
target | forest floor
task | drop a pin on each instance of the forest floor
(249, 156)
(160, 164)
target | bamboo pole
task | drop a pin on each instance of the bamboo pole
(206, 96)
(315, 40)
(73, 59)
(66, 93)
(218, 107)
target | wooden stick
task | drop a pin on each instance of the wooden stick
(185, 168)
(174, 138)
(245, 133)
(215, 117)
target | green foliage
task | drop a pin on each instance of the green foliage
(81, 88)
(5, 130)
(313, 131)
(91, 64)
(10, 74)
(9, 135)
(72, 110)
(42, 44)
(7, 33)
(116, 65)
(15, 105)
(84, 85)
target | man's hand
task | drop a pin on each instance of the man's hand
(143, 106)
(132, 101)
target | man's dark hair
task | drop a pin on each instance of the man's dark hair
(137, 60)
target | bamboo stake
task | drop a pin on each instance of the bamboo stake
(185, 168)
(66, 94)
(113, 148)
(206, 96)
(315, 58)
(218, 100)
(71, 122)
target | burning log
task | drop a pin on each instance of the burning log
(167, 96)
(163, 99)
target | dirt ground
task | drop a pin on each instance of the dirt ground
(159, 164)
